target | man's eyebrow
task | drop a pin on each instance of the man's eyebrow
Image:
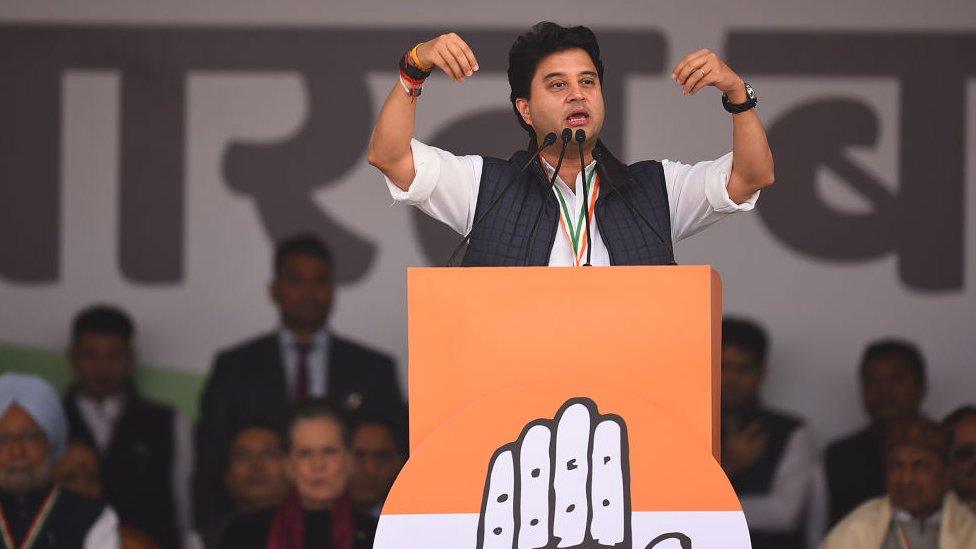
(555, 74)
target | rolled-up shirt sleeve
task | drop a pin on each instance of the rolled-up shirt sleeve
(698, 195)
(445, 186)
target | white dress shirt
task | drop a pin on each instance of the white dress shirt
(101, 418)
(446, 188)
(104, 533)
(796, 491)
(316, 360)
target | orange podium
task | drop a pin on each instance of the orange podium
(563, 407)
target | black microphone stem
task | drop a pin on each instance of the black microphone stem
(566, 136)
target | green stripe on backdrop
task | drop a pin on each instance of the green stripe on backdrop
(169, 385)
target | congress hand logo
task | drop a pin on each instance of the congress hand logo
(565, 483)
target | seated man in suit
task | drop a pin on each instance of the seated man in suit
(78, 471)
(255, 479)
(143, 446)
(379, 457)
(257, 380)
(892, 387)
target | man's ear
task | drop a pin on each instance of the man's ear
(522, 105)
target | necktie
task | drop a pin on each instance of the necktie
(301, 373)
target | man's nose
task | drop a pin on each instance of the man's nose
(576, 93)
(905, 477)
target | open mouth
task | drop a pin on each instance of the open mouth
(577, 118)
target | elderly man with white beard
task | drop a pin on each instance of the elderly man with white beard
(34, 512)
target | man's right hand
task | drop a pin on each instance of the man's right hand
(741, 448)
(449, 53)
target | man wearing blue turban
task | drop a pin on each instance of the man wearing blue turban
(34, 512)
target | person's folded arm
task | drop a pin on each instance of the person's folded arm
(781, 509)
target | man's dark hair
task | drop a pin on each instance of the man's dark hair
(102, 320)
(542, 40)
(899, 348)
(267, 426)
(957, 416)
(362, 419)
(746, 335)
(316, 408)
(304, 244)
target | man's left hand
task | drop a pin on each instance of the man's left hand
(703, 68)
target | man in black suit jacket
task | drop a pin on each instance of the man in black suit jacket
(258, 380)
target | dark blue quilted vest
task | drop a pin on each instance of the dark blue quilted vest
(502, 239)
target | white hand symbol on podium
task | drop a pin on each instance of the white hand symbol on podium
(564, 483)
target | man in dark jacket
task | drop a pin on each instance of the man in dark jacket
(770, 457)
(143, 447)
(534, 208)
(256, 381)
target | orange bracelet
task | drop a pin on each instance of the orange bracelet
(416, 59)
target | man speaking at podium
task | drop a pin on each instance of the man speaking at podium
(524, 211)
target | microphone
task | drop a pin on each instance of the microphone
(546, 143)
(566, 136)
(580, 139)
(598, 156)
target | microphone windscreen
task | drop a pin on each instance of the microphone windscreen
(580, 135)
(567, 135)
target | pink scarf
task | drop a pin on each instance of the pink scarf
(288, 528)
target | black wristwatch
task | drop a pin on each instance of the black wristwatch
(736, 108)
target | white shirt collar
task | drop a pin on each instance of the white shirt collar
(110, 407)
(550, 168)
(904, 516)
(288, 340)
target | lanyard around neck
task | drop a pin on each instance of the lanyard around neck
(574, 231)
(900, 535)
(36, 525)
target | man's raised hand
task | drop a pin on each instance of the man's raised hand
(449, 53)
(703, 68)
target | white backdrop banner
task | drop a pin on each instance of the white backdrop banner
(151, 153)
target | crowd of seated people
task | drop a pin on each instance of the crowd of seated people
(902, 481)
(276, 411)
(302, 432)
